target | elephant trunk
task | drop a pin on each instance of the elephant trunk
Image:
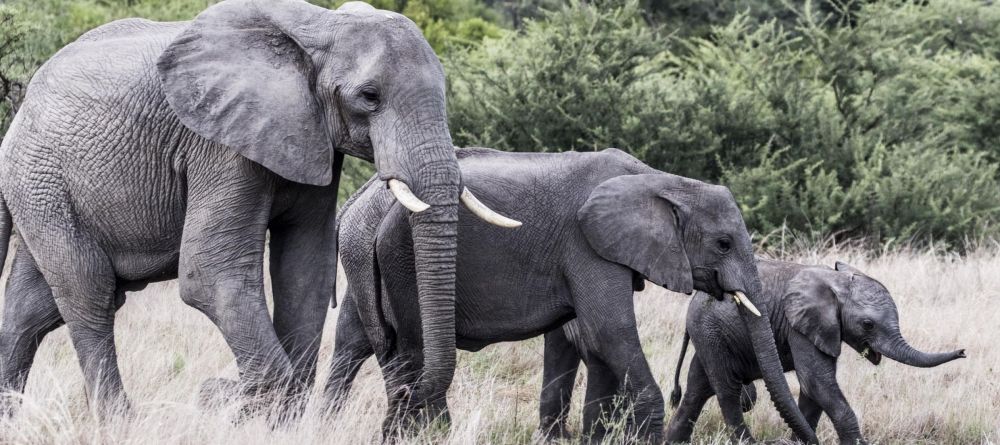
(762, 338)
(435, 245)
(898, 349)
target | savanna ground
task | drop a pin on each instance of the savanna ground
(167, 349)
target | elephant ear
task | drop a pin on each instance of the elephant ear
(844, 267)
(632, 220)
(812, 307)
(239, 76)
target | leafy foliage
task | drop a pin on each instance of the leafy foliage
(879, 127)
(852, 119)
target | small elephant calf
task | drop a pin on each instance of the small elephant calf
(814, 309)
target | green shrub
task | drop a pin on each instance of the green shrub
(925, 193)
(563, 83)
(790, 112)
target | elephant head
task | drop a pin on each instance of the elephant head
(687, 235)
(830, 307)
(293, 87)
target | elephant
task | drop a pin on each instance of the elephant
(146, 151)
(813, 310)
(600, 223)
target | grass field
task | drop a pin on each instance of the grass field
(167, 349)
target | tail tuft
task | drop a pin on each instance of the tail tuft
(675, 397)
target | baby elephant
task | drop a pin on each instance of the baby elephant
(813, 310)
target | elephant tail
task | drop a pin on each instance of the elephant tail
(354, 197)
(6, 226)
(675, 395)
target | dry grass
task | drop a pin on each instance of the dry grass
(166, 349)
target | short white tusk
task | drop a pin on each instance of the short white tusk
(742, 299)
(485, 213)
(406, 197)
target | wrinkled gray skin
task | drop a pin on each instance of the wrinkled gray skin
(813, 310)
(148, 150)
(596, 225)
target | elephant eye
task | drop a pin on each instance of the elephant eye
(370, 95)
(868, 324)
(724, 245)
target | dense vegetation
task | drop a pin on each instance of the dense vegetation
(874, 121)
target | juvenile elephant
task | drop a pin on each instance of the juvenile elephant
(813, 309)
(148, 150)
(600, 223)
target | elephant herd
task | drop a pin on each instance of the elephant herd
(148, 151)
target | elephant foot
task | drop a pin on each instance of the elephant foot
(216, 393)
(553, 433)
(409, 415)
(280, 403)
(116, 408)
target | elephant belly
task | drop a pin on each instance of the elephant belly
(485, 317)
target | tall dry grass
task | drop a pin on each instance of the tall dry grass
(167, 349)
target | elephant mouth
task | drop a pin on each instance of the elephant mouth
(871, 354)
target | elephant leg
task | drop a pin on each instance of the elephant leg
(304, 273)
(29, 313)
(606, 316)
(728, 394)
(558, 378)
(221, 270)
(350, 350)
(86, 298)
(817, 373)
(748, 397)
(599, 403)
(699, 390)
(400, 376)
(811, 410)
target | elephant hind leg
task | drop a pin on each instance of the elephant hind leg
(351, 349)
(29, 314)
(729, 401)
(699, 390)
(85, 291)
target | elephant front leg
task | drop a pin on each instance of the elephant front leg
(221, 273)
(303, 276)
(817, 373)
(605, 313)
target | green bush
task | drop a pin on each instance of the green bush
(881, 127)
(564, 83)
(818, 126)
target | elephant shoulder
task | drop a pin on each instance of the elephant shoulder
(106, 62)
(468, 152)
(131, 28)
(631, 164)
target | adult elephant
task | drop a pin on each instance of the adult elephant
(602, 222)
(148, 150)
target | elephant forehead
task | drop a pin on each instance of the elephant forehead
(868, 292)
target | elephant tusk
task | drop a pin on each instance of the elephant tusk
(406, 197)
(742, 299)
(485, 213)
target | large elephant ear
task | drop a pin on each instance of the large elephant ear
(239, 76)
(632, 220)
(812, 307)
